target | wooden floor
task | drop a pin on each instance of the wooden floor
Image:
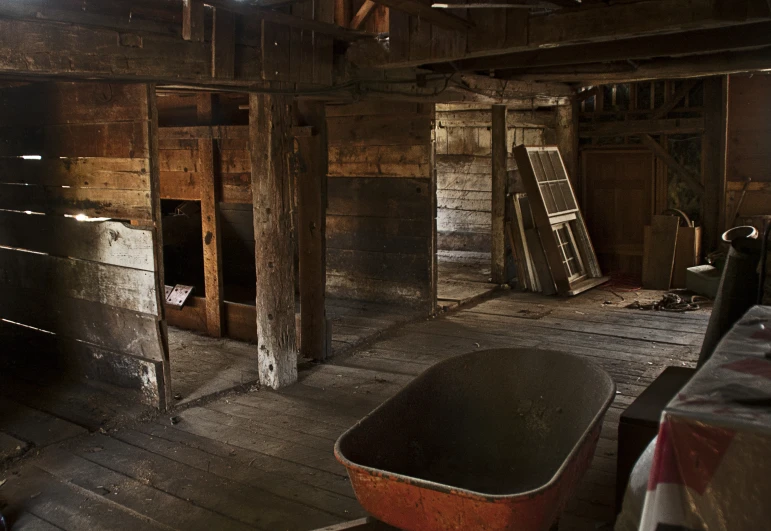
(202, 366)
(462, 278)
(263, 460)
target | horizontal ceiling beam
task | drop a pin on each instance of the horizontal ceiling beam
(670, 68)
(595, 23)
(459, 89)
(638, 127)
(714, 40)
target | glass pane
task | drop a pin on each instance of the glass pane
(622, 97)
(659, 96)
(644, 96)
(564, 186)
(559, 202)
(540, 176)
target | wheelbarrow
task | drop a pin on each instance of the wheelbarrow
(493, 440)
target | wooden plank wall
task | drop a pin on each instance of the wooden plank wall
(181, 178)
(464, 170)
(91, 285)
(180, 163)
(380, 217)
(749, 148)
(133, 32)
(413, 39)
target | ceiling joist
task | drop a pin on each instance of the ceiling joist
(749, 36)
(671, 68)
(600, 23)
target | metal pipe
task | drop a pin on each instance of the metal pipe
(738, 286)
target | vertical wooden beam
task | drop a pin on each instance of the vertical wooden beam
(498, 254)
(714, 160)
(223, 45)
(274, 261)
(193, 20)
(210, 222)
(310, 171)
(164, 388)
(342, 12)
(433, 294)
(567, 139)
(212, 241)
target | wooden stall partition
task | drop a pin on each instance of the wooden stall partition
(380, 217)
(210, 164)
(76, 278)
(748, 186)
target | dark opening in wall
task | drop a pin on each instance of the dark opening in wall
(238, 264)
(182, 244)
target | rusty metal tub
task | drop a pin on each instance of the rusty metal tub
(491, 440)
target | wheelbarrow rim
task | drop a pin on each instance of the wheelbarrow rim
(350, 465)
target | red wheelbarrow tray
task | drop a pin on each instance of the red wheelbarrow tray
(492, 440)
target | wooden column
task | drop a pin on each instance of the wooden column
(500, 153)
(274, 261)
(714, 160)
(310, 172)
(164, 388)
(567, 139)
(210, 225)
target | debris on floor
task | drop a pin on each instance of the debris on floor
(672, 302)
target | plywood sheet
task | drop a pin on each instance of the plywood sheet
(659, 252)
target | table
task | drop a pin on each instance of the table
(712, 464)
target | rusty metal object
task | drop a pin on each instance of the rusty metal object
(492, 440)
(177, 297)
(738, 288)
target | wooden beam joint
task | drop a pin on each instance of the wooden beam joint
(691, 179)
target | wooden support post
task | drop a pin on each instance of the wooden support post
(567, 139)
(714, 160)
(164, 388)
(310, 170)
(210, 225)
(223, 46)
(193, 20)
(500, 153)
(274, 261)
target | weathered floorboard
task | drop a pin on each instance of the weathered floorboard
(264, 458)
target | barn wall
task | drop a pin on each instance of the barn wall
(749, 148)
(464, 170)
(130, 36)
(381, 211)
(183, 177)
(86, 291)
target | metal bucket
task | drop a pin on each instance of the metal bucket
(491, 440)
